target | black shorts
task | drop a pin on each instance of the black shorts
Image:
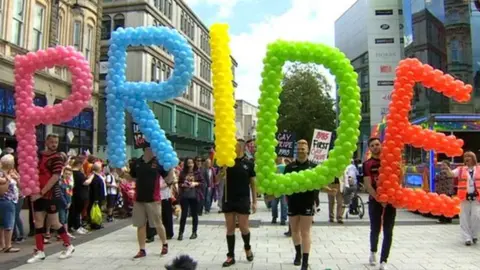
(239, 206)
(111, 200)
(300, 208)
(45, 205)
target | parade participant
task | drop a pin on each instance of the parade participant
(381, 214)
(301, 208)
(45, 204)
(147, 202)
(468, 191)
(239, 184)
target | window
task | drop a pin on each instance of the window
(365, 97)
(2, 12)
(205, 98)
(364, 79)
(38, 24)
(153, 71)
(81, 127)
(188, 94)
(455, 51)
(161, 5)
(77, 35)
(89, 43)
(106, 27)
(59, 30)
(118, 21)
(18, 22)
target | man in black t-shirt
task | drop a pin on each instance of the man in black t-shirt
(301, 208)
(239, 184)
(147, 202)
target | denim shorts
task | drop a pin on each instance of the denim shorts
(7, 214)
(63, 215)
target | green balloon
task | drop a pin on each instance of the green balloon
(348, 131)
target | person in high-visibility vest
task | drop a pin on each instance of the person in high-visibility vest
(468, 191)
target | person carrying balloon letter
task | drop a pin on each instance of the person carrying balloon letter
(147, 202)
(468, 191)
(381, 214)
(45, 204)
(239, 185)
(301, 208)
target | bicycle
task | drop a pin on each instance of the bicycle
(355, 207)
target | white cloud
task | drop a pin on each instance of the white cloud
(225, 7)
(307, 20)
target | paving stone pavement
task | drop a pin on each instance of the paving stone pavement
(334, 247)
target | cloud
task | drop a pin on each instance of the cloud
(306, 20)
(225, 7)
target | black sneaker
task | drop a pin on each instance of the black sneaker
(249, 255)
(475, 240)
(283, 223)
(229, 262)
(193, 236)
(180, 237)
(468, 243)
(288, 234)
(274, 220)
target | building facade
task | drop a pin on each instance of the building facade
(187, 120)
(31, 25)
(370, 33)
(444, 34)
(246, 119)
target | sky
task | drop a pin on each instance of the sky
(255, 23)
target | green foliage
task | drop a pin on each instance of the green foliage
(305, 102)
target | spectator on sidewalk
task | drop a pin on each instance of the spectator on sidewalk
(282, 200)
(8, 199)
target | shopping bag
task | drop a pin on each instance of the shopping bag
(96, 215)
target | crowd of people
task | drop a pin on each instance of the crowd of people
(75, 191)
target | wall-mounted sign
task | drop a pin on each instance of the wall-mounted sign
(384, 40)
(386, 69)
(384, 83)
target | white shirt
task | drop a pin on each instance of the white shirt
(164, 190)
(110, 180)
(470, 181)
(350, 172)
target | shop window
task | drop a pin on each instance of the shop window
(76, 134)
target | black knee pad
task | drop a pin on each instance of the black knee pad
(40, 230)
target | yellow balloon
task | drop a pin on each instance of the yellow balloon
(223, 100)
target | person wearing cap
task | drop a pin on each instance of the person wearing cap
(239, 198)
(147, 202)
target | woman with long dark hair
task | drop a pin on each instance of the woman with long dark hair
(190, 185)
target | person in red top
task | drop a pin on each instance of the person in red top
(381, 214)
(45, 204)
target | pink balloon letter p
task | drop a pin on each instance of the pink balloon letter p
(28, 116)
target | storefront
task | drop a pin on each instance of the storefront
(7, 119)
(76, 136)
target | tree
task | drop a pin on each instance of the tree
(305, 102)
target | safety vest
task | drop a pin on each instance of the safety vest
(463, 182)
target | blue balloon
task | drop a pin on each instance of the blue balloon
(133, 96)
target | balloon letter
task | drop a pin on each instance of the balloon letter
(133, 96)
(277, 54)
(400, 131)
(224, 102)
(28, 115)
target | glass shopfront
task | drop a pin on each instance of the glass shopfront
(76, 136)
(7, 119)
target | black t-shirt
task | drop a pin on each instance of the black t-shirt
(80, 191)
(237, 185)
(302, 199)
(147, 175)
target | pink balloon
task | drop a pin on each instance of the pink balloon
(28, 115)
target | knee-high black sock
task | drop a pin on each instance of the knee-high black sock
(305, 259)
(298, 251)
(246, 241)
(231, 245)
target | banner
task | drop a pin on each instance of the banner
(320, 146)
(286, 144)
(138, 137)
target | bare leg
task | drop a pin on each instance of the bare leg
(141, 237)
(244, 229)
(230, 219)
(305, 228)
